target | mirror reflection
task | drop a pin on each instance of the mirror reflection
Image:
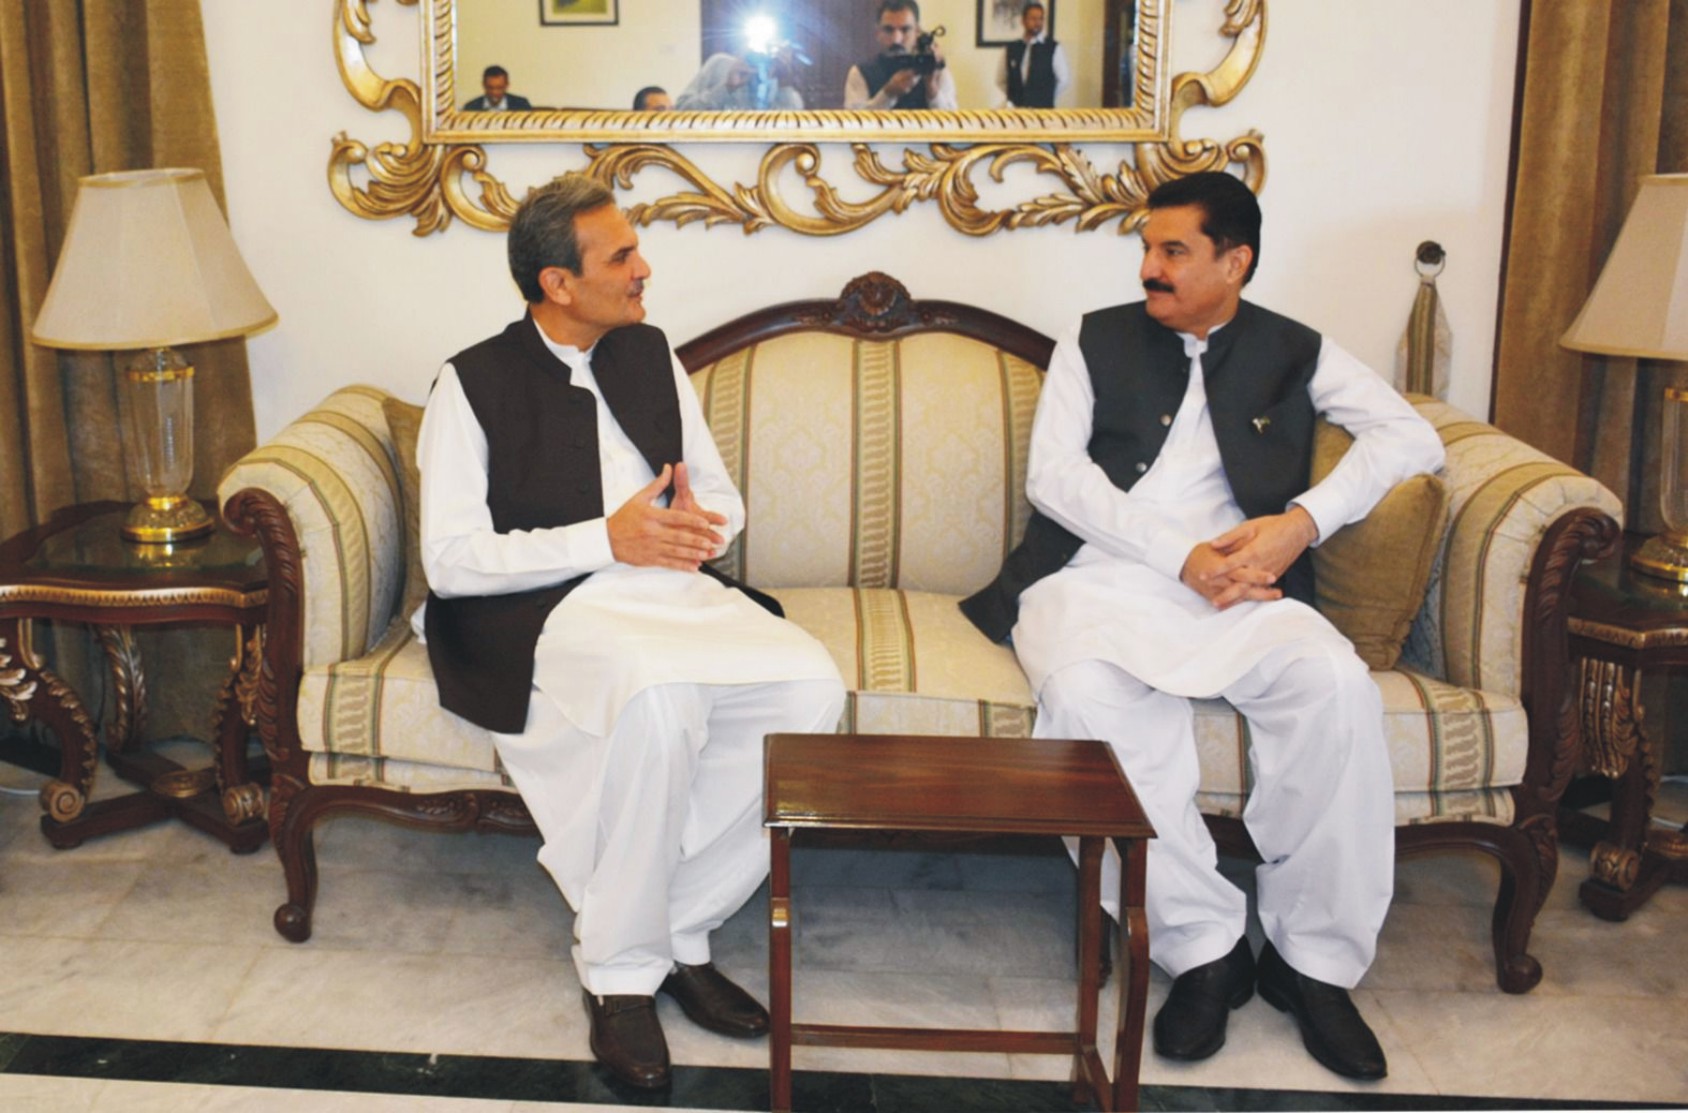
(750, 55)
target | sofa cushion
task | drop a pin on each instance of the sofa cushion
(1370, 577)
(873, 463)
(404, 421)
(914, 665)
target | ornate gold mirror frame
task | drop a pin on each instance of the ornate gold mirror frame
(442, 172)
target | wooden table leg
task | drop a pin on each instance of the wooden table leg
(1134, 978)
(31, 690)
(242, 798)
(779, 972)
(1629, 859)
(1087, 1086)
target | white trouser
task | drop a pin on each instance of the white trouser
(654, 833)
(1321, 809)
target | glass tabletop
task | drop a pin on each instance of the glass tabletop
(1612, 590)
(93, 547)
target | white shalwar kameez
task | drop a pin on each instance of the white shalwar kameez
(1116, 647)
(653, 689)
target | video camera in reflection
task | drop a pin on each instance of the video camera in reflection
(923, 60)
(773, 60)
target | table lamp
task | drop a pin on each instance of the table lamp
(147, 263)
(1639, 308)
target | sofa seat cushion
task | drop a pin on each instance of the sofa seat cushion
(1454, 752)
(385, 705)
(913, 665)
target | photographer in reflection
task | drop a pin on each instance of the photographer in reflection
(908, 72)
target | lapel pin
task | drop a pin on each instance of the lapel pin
(1260, 424)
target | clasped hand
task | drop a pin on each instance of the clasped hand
(680, 536)
(1243, 564)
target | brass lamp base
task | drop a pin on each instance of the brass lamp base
(170, 518)
(1664, 556)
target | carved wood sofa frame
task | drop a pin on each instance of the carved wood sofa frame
(876, 308)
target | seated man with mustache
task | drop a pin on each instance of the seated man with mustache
(1168, 562)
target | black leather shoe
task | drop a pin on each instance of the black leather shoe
(714, 1001)
(627, 1038)
(1191, 1025)
(1331, 1027)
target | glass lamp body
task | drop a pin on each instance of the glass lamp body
(159, 386)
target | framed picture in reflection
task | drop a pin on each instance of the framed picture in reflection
(579, 13)
(1002, 21)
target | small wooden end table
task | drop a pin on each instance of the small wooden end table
(1622, 623)
(909, 783)
(75, 567)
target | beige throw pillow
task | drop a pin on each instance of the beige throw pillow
(404, 421)
(1371, 576)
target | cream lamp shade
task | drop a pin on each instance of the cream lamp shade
(1639, 309)
(148, 263)
(1639, 306)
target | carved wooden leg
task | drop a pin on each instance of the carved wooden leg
(291, 821)
(242, 798)
(30, 690)
(128, 685)
(1616, 745)
(1529, 860)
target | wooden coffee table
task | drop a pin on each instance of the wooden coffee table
(911, 783)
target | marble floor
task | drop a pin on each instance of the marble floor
(141, 972)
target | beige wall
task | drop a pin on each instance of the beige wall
(1384, 123)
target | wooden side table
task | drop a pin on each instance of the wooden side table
(1621, 624)
(967, 786)
(76, 568)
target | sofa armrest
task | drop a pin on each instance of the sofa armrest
(334, 475)
(1504, 500)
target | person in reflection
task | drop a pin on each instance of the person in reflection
(890, 79)
(1034, 72)
(571, 495)
(652, 98)
(1168, 562)
(730, 83)
(495, 94)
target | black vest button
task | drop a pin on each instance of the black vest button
(582, 487)
(1141, 467)
(1166, 419)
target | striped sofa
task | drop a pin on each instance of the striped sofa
(880, 443)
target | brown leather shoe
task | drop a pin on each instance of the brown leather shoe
(716, 1002)
(627, 1038)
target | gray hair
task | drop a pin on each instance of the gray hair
(542, 231)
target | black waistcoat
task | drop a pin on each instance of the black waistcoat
(1038, 89)
(1256, 371)
(881, 68)
(542, 471)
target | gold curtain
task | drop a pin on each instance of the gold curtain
(86, 87)
(1602, 103)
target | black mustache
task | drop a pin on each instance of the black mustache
(1158, 286)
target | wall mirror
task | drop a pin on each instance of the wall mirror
(578, 64)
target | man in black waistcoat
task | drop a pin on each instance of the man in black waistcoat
(571, 493)
(1167, 562)
(1034, 71)
(888, 80)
